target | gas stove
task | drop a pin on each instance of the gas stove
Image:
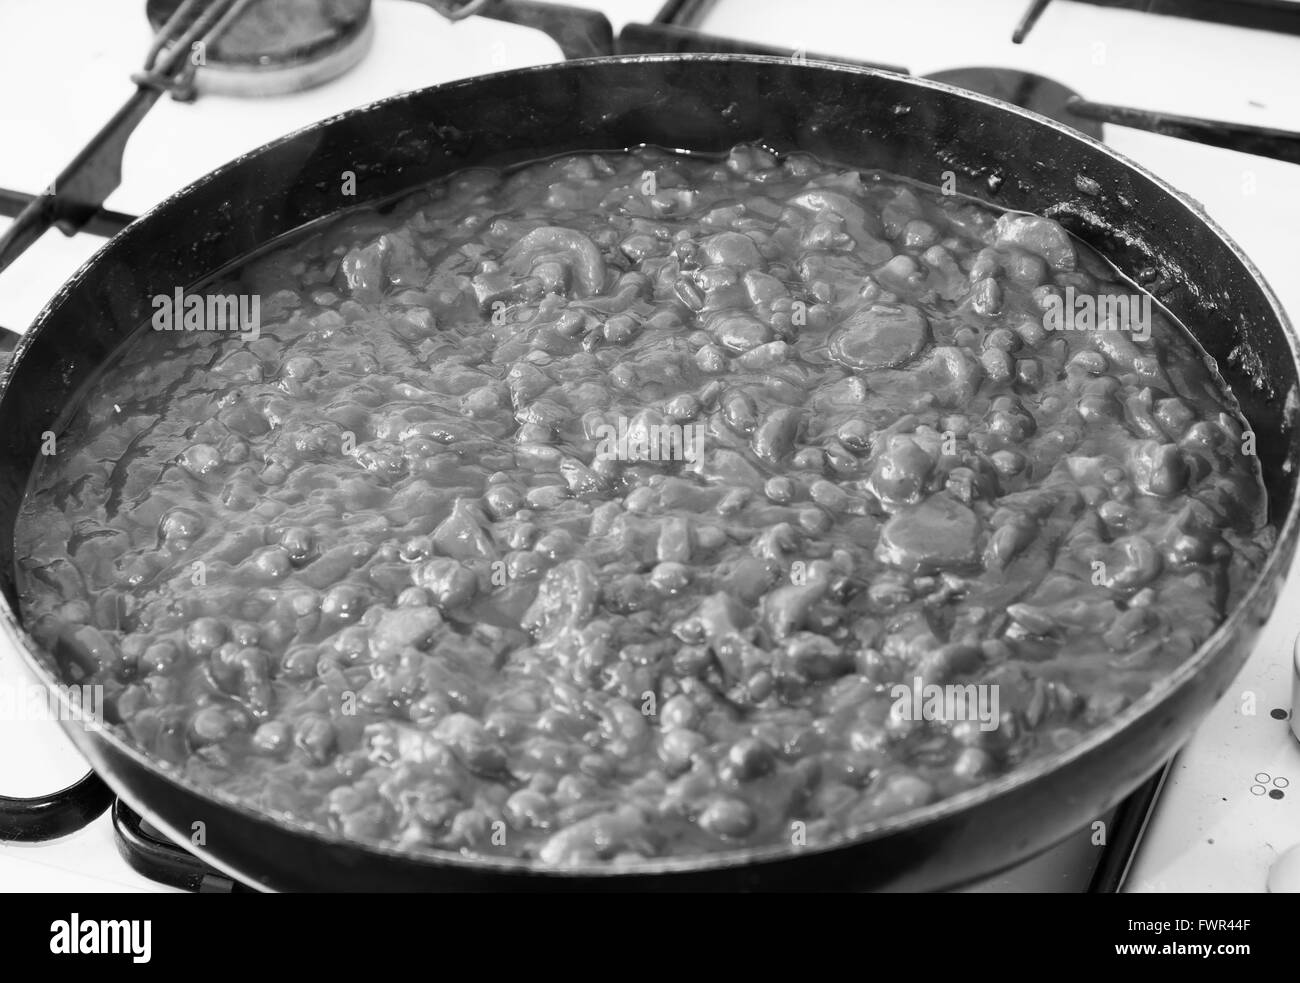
(1218, 818)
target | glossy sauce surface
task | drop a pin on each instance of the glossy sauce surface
(597, 511)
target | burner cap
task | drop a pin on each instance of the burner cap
(279, 46)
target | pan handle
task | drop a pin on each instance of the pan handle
(48, 817)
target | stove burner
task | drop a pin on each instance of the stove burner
(276, 47)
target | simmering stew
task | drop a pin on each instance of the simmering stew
(635, 505)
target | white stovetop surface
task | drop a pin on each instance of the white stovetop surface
(1211, 831)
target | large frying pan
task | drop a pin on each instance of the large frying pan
(706, 103)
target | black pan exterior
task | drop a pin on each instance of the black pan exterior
(703, 103)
